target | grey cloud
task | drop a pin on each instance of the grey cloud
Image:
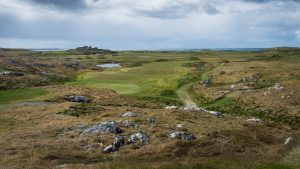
(138, 24)
(14, 27)
(172, 11)
(265, 1)
(210, 9)
(257, 1)
(180, 9)
(61, 4)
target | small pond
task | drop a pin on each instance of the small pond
(109, 65)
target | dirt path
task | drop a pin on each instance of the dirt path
(205, 75)
(183, 92)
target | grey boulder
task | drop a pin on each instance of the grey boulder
(119, 141)
(130, 114)
(110, 149)
(140, 136)
(105, 127)
(182, 135)
(79, 98)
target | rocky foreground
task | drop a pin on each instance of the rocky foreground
(234, 115)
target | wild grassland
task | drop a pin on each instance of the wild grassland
(269, 67)
(36, 136)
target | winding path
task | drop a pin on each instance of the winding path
(183, 92)
(183, 95)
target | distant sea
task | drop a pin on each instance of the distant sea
(224, 49)
(203, 49)
(175, 49)
(48, 49)
(239, 49)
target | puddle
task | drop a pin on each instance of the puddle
(109, 65)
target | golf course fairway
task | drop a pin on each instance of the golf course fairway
(147, 80)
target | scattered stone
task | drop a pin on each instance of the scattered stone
(79, 98)
(246, 79)
(142, 137)
(115, 146)
(218, 114)
(48, 74)
(182, 135)
(179, 125)
(220, 94)
(110, 149)
(127, 123)
(105, 127)
(5, 72)
(130, 114)
(151, 120)
(60, 135)
(17, 74)
(195, 109)
(246, 88)
(170, 107)
(191, 108)
(222, 72)
(75, 65)
(252, 78)
(254, 120)
(288, 140)
(78, 129)
(44, 65)
(10, 73)
(268, 92)
(86, 147)
(206, 82)
(278, 87)
(232, 87)
(17, 63)
(119, 141)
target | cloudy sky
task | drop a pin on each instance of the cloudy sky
(149, 24)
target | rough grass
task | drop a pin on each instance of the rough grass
(293, 158)
(226, 101)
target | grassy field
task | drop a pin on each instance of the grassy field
(15, 95)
